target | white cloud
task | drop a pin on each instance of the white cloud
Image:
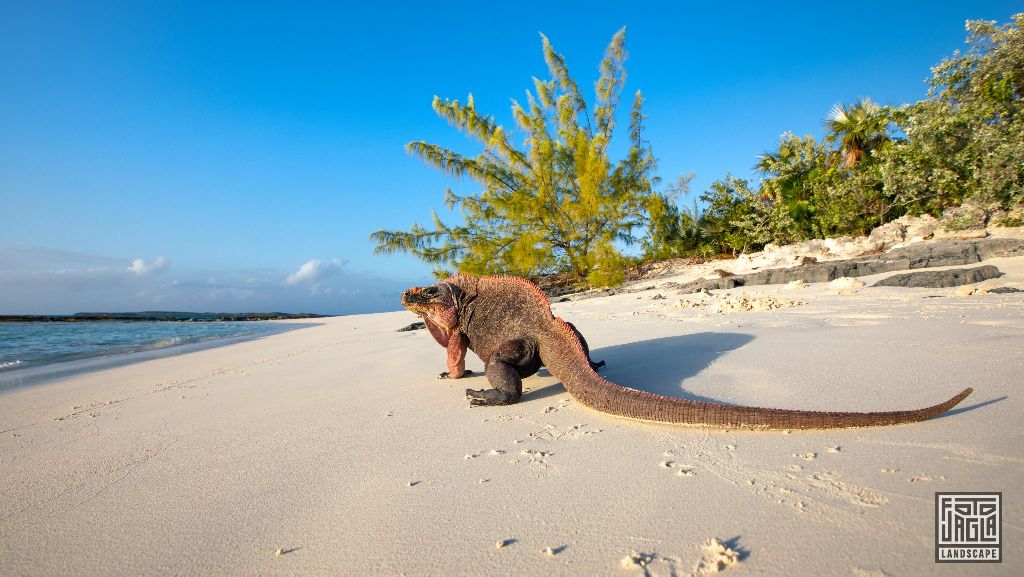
(313, 270)
(141, 267)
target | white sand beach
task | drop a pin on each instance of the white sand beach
(334, 450)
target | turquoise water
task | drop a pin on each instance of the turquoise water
(30, 352)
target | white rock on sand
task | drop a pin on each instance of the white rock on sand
(845, 283)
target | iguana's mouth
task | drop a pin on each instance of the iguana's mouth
(414, 296)
(419, 296)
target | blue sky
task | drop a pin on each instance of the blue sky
(236, 156)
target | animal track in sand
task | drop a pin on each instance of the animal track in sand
(535, 458)
(830, 483)
(491, 452)
(715, 556)
(819, 495)
(506, 418)
(562, 404)
(554, 433)
(80, 486)
(924, 477)
(637, 560)
(681, 470)
(92, 408)
(535, 454)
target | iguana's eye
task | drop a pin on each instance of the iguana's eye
(432, 291)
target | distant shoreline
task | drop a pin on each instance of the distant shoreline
(163, 316)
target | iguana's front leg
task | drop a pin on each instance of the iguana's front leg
(457, 345)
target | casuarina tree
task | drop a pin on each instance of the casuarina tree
(557, 203)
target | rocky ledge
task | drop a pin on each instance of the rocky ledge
(941, 278)
(915, 256)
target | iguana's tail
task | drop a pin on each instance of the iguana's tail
(564, 357)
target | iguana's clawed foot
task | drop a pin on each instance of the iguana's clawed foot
(476, 397)
(487, 397)
(447, 375)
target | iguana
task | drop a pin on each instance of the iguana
(508, 323)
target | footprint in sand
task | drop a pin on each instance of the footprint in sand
(681, 470)
(555, 408)
(637, 560)
(717, 558)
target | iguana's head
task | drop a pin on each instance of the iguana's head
(437, 304)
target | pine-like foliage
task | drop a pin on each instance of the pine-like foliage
(558, 203)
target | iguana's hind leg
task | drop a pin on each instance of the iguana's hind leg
(586, 347)
(505, 371)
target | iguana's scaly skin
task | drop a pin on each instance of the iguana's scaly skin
(507, 322)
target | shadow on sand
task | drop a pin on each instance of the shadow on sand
(657, 365)
(964, 408)
(660, 365)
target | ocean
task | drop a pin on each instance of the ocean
(32, 353)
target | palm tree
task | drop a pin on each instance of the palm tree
(860, 128)
(768, 162)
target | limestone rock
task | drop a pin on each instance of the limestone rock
(845, 283)
(926, 255)
(918, 227)
(941, 278)
(889, 234)
(965, 290)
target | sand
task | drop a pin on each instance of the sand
(334, 450)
